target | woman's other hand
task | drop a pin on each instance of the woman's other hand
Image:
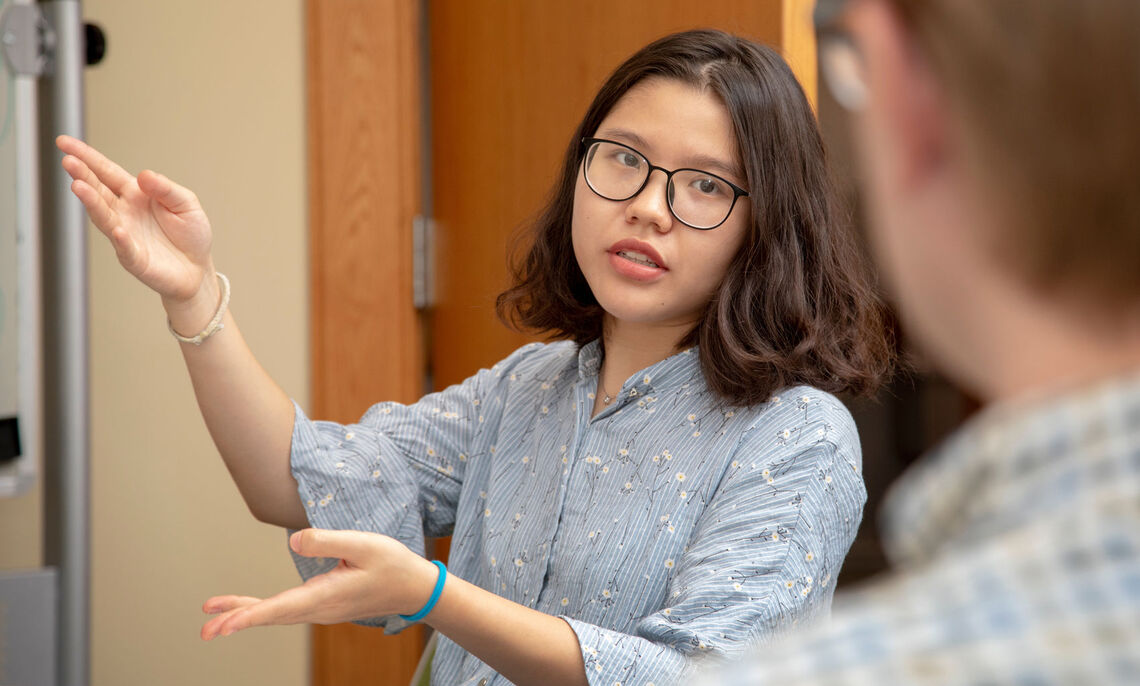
(376, 576)
(158, 229)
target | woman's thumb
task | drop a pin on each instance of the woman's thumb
(346, 545)
(170, 195)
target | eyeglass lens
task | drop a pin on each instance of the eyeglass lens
(842, 68)
(699, 199)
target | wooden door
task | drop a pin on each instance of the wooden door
(363, 77)
(509, 80)
(509, 83)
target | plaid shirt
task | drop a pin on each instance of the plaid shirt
(1016, 555)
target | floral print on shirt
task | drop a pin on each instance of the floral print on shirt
(666, 528)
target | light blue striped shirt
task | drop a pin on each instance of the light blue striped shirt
(667, 528)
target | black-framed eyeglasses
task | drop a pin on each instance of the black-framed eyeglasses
(840, 61)
(698, 199)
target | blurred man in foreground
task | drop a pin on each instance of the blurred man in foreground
(999, 149)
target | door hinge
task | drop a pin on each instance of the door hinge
(423, 262)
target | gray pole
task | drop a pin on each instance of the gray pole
(66, 499)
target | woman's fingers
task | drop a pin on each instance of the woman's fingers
(86, 164)
(98, 209)
(81, 172)
(107, 221)
(294, 606)
(362, 585)
(225, 607)
(177, 199)
(225, 603)
(111, 174)
(213, 628)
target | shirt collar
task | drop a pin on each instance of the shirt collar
(1012, 464)
(673, 373)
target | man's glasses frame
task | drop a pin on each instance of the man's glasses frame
(840, 61)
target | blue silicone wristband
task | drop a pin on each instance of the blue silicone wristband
(435, 593)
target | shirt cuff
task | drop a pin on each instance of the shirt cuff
(350, 484)
(612, 657)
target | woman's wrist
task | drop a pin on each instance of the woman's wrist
(422, 579)
(525, 645)
(437, 590)
(191, 315)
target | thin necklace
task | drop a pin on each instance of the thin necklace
(606, 397)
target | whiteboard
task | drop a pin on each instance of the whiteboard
(20, 368)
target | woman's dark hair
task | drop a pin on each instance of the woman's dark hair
(796, 305)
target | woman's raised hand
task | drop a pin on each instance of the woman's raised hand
(158, 229)
(377, 576)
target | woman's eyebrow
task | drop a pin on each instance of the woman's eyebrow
(628, 136)
(715, 164)
(699, 161)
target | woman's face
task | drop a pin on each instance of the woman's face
(643, 265)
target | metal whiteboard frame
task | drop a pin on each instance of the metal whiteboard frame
(66, 380)
(47, 41)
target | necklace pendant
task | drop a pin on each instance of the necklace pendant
(606, 400)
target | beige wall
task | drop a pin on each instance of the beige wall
(210, 93)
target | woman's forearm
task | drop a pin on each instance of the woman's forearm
(248, 415)
(524, 645)
(163, 238)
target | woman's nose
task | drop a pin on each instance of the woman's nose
(651, 205)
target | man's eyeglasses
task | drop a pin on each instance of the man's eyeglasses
(840, 61)
(698, 199)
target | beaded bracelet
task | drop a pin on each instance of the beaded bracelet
(434, 595)
(215, 324)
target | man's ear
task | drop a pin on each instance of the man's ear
(904, 92)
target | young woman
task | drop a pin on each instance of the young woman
(670, 479)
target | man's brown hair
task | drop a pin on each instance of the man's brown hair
(1050, 98)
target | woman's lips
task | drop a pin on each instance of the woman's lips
(636, 260)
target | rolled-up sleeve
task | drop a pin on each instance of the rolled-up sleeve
(400, 469)
(763, 557)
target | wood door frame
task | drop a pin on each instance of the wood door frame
(364, 113)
